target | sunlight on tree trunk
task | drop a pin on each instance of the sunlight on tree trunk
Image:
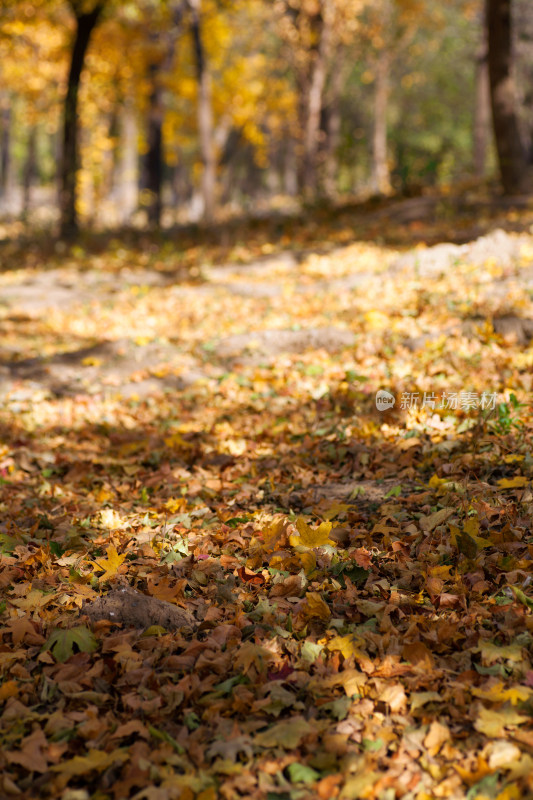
(314, 107)
(205, 114)
(128, 180)
(380, 165)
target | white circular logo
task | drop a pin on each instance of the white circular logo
(384, 400)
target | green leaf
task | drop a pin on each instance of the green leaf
(522, 597)
(154, 630)
(300, 773)
(192, 721)
(226, 686)
(8, 544)
(395, 491)
(56, 549)
(163, 736)
(310, 652)
(61, 642)
(234, 521)
(339, 707)
(373, 746)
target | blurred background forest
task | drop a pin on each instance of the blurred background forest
(159, 112)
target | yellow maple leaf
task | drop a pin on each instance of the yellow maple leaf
(308, 560)
(312, 537)
(347, 645)
(176, 504)
(272, 533)
(435, 482)
(493, 723)
(33, 600)
(513, 483)
(94, 760)
(467, 541)
(315, 606)
(498, 694)
(103, 495)
(177, 442)
(110, 564)
(336, 509)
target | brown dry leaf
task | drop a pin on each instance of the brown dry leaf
(418, 655)
(163, 590)
(429, 523)
(394, 696)
(287, 734)
(436, 736)
(32, 753)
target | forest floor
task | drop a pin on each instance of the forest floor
(225, 572)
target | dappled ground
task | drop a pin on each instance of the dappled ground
(225, 572)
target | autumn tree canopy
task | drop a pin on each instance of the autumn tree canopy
(182, 109)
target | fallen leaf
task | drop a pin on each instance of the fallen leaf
(493, 722)
(287, 734)
(312, 537)
(108, 565)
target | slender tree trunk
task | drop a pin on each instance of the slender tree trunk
(154, 155)
(85, 24)
(28, 176)
(314, 108)
(128, 181)
(511, 153)
(205, 114)
(333, 132)
(481, 108)
(5, 151)
(380, 163)
(153, 162)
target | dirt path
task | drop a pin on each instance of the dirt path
(142, 365)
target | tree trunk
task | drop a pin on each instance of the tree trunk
(481, 108)
(314, 108)
(154, 155)
(333, 129)
(205, 114)
(85, 24)
(5, 151)
(380, 164)
(511, 153)
(28, 176)
(127, 189)
(153, 162)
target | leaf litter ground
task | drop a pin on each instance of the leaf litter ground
(224, 572)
